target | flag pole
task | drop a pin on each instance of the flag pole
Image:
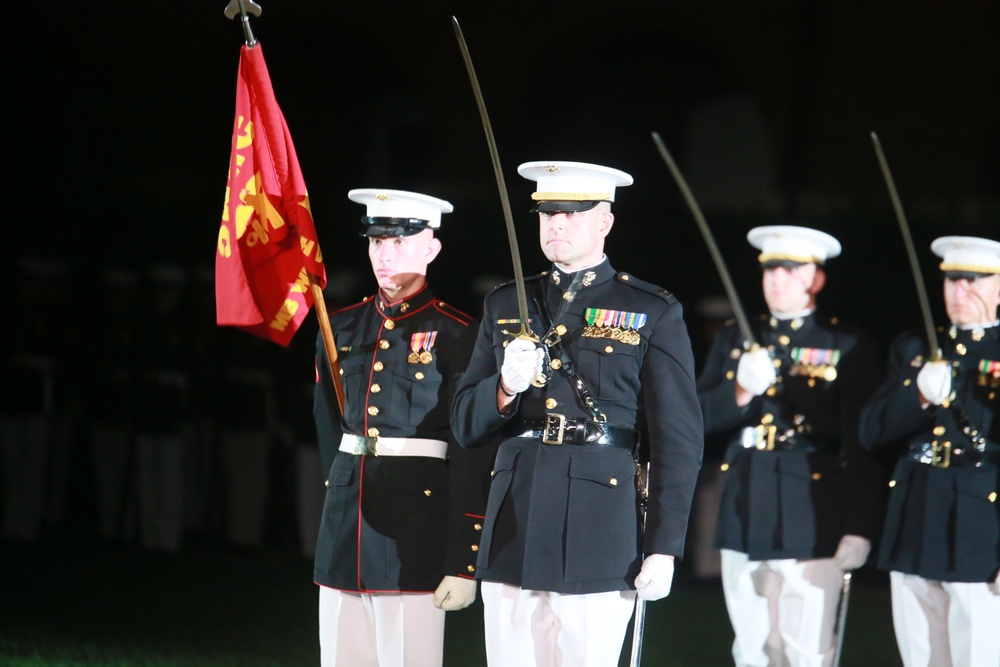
(328, 343)
(241, 7)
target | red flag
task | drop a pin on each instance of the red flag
(267, 241)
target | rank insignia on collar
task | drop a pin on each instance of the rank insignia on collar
(420, 347)
(815, 363)
(588, 278)
(614, 324)
(556, 278)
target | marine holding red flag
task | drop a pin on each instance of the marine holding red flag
(267, 243)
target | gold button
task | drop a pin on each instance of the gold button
(776, 363)
(506, 343)
(478, 526)
(326, 482)
(907, 382)
(892, 483)
(735, 353)
(960, 349)
(567, 296)
(613, 481)
(471, 568)
(767, 419)
(561, 330)
(609, 349)
(834, 320)
(418, 375)
(816, 476)
(556, 364)
(730, 375)
(372, 410)
(624, 276)
(376, 388)
(475, 547)
(939, 430)
(390, 325)
(811, 382)
(373, 432)
(724, 467)
(341, 371)
(428, 493)
(551, 403)
(784, 340)
(771, 391)
(383, 344)
(992, 497)
(378, 366)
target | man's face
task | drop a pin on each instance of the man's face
(400, 262)
(575, 240)
(791, 289)
(971, 302)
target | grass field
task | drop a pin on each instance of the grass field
(76, 604)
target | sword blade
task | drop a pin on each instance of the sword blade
(925, 308)
(720, 264)
(845, 597)
(522, 300)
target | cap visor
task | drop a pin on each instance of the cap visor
(563, 206)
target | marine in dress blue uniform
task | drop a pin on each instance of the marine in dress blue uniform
(801, 499)
(563, 543)
(941, 541)
(404, 503)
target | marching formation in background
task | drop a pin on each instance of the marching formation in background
(548, 454)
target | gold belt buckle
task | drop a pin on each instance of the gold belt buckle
(555, 426)
(365, 445)
(940, 454)
(765, 437)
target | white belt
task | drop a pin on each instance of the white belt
(379, 446)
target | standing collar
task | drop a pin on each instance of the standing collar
(403, 307)
(593, 275)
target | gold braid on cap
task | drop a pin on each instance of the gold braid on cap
(570, 196)
(772, 256)
(971, 268)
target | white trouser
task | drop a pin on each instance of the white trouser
(526, 628)
(160, 480)
(945, 624)
(379, 629)
(783, 611)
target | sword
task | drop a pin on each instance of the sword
(639, 616)
(845, 596)
(925, 307)
(522, 299)
(720, 264)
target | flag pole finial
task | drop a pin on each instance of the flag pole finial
(241, 7)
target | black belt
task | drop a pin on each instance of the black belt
(562, 430)
(945, 455)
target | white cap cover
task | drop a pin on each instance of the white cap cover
(786, 243)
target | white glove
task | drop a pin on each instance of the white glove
(522, 360)
(756, 371)
(655, 577)
(852, 552)
(454, 593)
(934, 381)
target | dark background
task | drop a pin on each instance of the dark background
(123, 115)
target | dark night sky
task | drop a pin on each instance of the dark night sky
(123, 113)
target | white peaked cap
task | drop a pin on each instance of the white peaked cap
(967, 253)
(384, 203)
(573, 181)
(786, 243)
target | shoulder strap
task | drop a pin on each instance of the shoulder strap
(553, 341)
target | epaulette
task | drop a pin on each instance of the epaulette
(650, 288)
(453, 312)
(527, 279)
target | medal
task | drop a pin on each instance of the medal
(426, 357)
(412, 358)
